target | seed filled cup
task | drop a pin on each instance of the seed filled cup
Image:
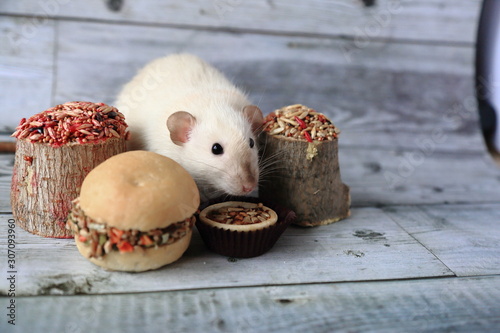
(301, 145)
(242, 229)
(55, 150)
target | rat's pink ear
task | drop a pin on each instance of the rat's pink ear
(254, 115)
(180, 124)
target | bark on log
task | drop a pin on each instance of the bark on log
(312, 187)
(46, 179)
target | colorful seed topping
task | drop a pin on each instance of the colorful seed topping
(302, 123)
(78, 122)
(103, 239)
(240, 215)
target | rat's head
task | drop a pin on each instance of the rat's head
(219, 150)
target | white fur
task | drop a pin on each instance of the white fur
(184, 82)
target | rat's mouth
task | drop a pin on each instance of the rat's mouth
(243, 188)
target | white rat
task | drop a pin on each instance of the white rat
(183, 108)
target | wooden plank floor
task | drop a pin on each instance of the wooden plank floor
(437, 305)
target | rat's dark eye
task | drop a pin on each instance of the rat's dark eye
(217, 149)
(252, 143)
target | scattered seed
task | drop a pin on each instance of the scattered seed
(51, 132)
(35, 137)
(303, 114)
(24, 133)
(290, 121)
(277, 130)
(84, 132)
(84, 126)
(114, 133)
(235, 209)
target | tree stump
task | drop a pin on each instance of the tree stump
(46, 180)
(305, 177)
(55, 150)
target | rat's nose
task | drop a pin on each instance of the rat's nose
(247, 189)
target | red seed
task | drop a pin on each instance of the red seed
(28, 159)
(72, 122)
(302, 124)
(308, 137)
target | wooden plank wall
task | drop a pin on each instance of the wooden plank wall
(377, 66)
(396, 76)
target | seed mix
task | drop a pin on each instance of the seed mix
(80, 122)
(302, 123)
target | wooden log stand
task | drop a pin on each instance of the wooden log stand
(305, 177)
(46, 179)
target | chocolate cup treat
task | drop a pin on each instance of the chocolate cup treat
(135, 212)
(242, 229)
(55, 150)
(302, 146)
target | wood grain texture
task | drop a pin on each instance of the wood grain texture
(26, 68)
(369, 88)
(375, 93)
(466, 238)
(367, 246)
(6, 167)
(412, 177)
(432, 305)
(46, 180)
(444, 21)
(308, 183)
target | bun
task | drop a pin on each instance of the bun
(138, 260)
(139, 190)
(135, 212)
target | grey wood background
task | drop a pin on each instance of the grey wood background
(422, 247)
(394, 66)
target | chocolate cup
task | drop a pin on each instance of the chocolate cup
(245, 244)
